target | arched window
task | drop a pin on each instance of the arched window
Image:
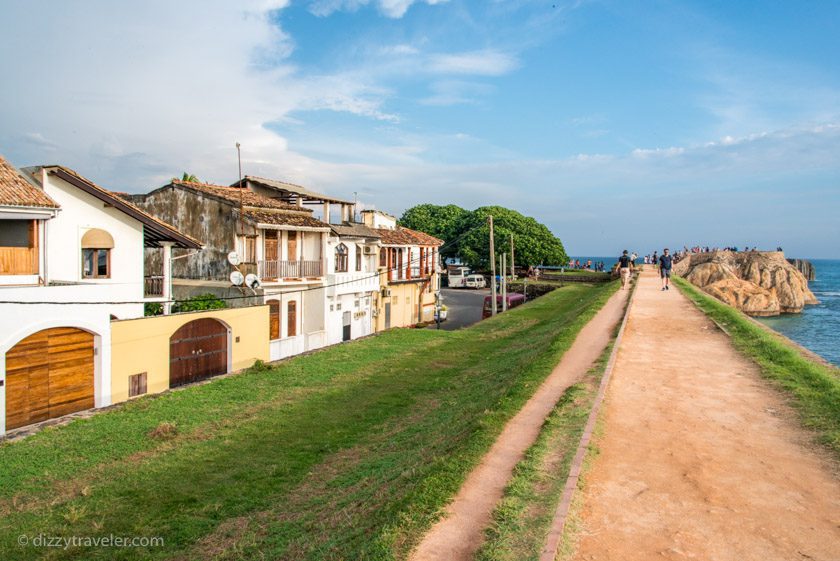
(341, 258)
(96, 254)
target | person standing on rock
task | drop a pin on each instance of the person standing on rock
(665, 262)
(624, 265)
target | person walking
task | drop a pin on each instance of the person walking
(665, 263)
(624, 266)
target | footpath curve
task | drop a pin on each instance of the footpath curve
(459, 534)
(701, 458)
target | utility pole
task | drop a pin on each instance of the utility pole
(504, 282)
(241, 188)
(492, 265)
(512, 266)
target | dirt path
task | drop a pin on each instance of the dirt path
(460, 532)
(700, 458)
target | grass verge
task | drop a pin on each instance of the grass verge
(524, 515)
(813, 388)
(349, 453)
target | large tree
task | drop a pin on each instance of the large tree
(444, 222)
(534, 244)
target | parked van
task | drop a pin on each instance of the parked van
(475, 281)
(513, 300)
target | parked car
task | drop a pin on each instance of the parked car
(475, 281)
(513, 300)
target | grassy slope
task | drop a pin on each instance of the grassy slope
(813, 388)
(522, 519)
(345, 454)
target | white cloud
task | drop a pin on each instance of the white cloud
(390, 8)
(487, 62)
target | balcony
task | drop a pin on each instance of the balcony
(18, 261)
(410, 273)
(280, 270)
(348, 283)
(153, 286)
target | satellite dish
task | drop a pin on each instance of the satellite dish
(252, 280)
(236, 278)
(233, 258)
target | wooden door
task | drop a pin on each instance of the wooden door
(388, 314)
(292, 246)
(197, 351)
(49, 374)
(270, 245)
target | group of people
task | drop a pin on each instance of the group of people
(587, 265)
(665, 262)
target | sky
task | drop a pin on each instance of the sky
(619, 124)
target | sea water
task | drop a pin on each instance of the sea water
(818, 327)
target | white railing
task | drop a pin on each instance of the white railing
(289, 269)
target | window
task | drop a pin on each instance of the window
(383, 257)
(291, 319)
(96, 263)
(137, 384)
(96, 254)
(358, 258)
(274, 319)
(341, 258)
(17, 233)
(356, 304)
(338, 306)
(249, 249)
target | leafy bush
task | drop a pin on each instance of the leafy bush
(198, 303)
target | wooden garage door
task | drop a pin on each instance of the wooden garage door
(49, 374)
(198, 350)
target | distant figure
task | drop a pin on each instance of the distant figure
(654, 259)
(624, 265)
(665, 263)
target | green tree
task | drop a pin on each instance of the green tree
(187, 177)
(534, 244)
(444, 222)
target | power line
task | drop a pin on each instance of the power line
(226, 298)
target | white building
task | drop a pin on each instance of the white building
(352, 282)
(71, 260)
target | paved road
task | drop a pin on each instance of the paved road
(464, 307)
(701, 458)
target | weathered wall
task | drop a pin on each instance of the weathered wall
(209, 220)
(142, 345)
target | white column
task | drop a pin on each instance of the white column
(167, 276)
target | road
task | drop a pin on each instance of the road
(464, 307)
(700, 457)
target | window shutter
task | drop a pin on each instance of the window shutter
(292, 319)
(274, 319)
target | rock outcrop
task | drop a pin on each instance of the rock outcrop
(759, 283)
(805, 267)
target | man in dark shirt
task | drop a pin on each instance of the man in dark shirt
(665, 262)
(625, 263)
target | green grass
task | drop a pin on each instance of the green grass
(813, 388)
(349, 453)
(524, 516)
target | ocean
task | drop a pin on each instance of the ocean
(818, 327)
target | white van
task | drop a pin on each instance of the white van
(475, 281)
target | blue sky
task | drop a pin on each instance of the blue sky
(617, 123)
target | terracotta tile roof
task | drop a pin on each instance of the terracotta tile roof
(17, 191)
(406, 236)
(155, 231)
(353, 230)
(284, 219)
(232, 194)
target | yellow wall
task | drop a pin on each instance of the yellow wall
(142, 345)
(404, 304)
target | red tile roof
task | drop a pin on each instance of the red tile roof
(406, 236)
(284, 219)
(232, 195)
(17, 191)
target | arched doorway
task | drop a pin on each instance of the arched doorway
(197, 351)
(49, 374)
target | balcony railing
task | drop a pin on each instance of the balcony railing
(153, 286)
(289, 269)
(18, 261)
